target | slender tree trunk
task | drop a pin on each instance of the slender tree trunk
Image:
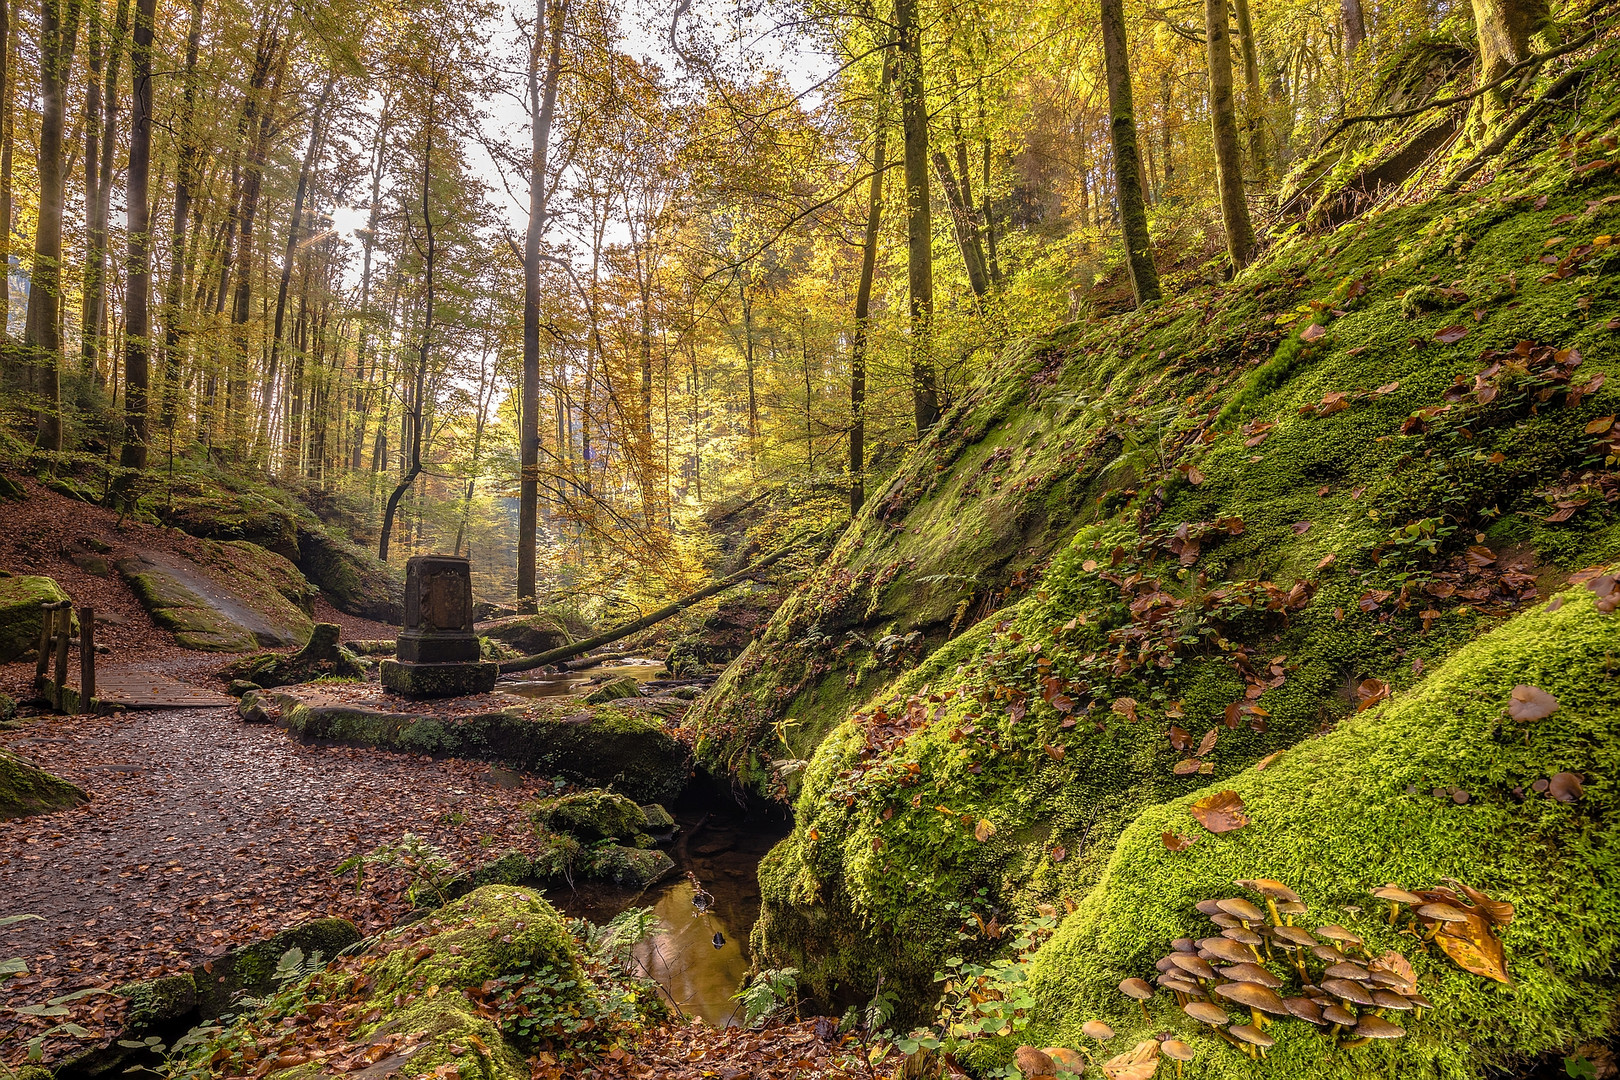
(542, 105)
(186, 179)
(42, 334)
(863, 294)
(311, 156)
(8, 89)
(963, 221)
(748, 364)
(1254, 102)
(1127, 158)
(1355, 26)
(139, 260)
(89, 343)
(1223, 122)
(919, 217)
(96, 273)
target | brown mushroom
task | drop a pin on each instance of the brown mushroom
(1241, 909)
(1096, 1029)
(1293, 936)
(1140, 990)
(1347, 969)
(1419, 1000)
(1304, 1009)
(1376, 1027)
(1328, 954)
(1346, 990)
(1389, 999)
(1225, 921)
(1440, 914)
(1177, 983)
(1335, 932)
(1163, 964)
(1184, 944)
(1177, 1051)
(1252, 973)
(1288, 909)
(1226, 949)
(1396, 897)
(1256, 998)
(1206, 1012)
(1273, 891)
(1254, 1036)
(1339, 1016)
(1208, 907)
(1031, 1062)
(1192, 965)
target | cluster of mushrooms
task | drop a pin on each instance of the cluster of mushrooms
(1343, 988)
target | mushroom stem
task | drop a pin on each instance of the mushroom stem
(1259, 1021)
(1271, 906)
(1178, 1070)
(1143, 1006)
(1394, 910)
(1356, 1042)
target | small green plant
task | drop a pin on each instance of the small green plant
(772, 989)
(54, 1008)
(427, 870)
(173, 1061)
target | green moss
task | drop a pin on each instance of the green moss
(613, 690)
(457, 950)
(158, 1003)
(1351, 810)
(20, 615)
(26, 789)
(592, 815)
(249, 971)
(628, 867)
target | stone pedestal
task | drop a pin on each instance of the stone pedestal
(437, 653)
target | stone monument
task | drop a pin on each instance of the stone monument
(437, 653)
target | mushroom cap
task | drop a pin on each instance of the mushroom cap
(1291, 907)
(1225, 921)
(1381, 977)
(1239, 934)
(1335, 932)
(1305, 1009)
(1419, 1000)
(1031, 1062)
(1397, 895)
(1163, 964)
(1376, 1027)
(1226, 949)
(1338, 1014)
(1241, 908)
(1443, 913)
(1096, 1029)
(1290, 937)
(1192, 965)
(1176, 1050)
(1251, 1034)
(1272, 888)
(1208, 907)
(1347, 969)
(1389, 999)
(1253, 996)
(1251, 973)
(1206, 1012)
(1346, 990)
(1179, 983)
(1136, 988)
(1184, 944)
(1327, 953)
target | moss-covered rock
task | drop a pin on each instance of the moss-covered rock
(614, 690)
(592, 815)
(250, 971)
(230, 600)
(157, 1004)
(627, 867)
(353, 579)
(320, 658)
(20, 616)
(438, 680)
(657, 819)
(527, 635)
(26, 789)
(599, 747)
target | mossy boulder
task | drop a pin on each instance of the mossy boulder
(322, 657)
(352, 578)
(627, 867)
(592, 815)
(600, 747)
(614, 690)
(26, 789)
(658, 820)
(21, 596)
(231, 599)
(1372, 802)
(250, 971)
(527, 635)
(157, 1004)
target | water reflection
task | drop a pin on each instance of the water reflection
(574, 682)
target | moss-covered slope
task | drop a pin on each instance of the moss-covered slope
(26, 789)
(1280, 501)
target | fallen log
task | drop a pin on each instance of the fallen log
(568, 652)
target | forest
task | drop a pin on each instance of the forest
(914, 539)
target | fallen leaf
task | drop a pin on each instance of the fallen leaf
(1600, 425)
(983, 830)
(1207, 743)
(1032, 1063)
(1263, 763)
(1138, 1064)
(1175, 841)
(1370, 693)
(1312, 332)
(1221, 812)
(1185, 767)
(1450, 335)
(1470, 943)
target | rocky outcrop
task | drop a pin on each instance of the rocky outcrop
(21, 597)
(233, 598)
(26, 789)
(322, 657)
(352, 578)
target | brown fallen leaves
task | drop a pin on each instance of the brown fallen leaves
(1221, 812)
(1471, 942)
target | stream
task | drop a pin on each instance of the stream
(722, 845)
(576, 682)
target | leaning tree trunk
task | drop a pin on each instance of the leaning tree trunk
(137, 349)
(919, 218)
(42, 334)
(863, 297)
(1127, 158)
(1223, 122)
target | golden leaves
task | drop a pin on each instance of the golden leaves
(1221, 812)
(984, 830)
(1471, 942)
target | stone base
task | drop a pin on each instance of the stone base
(438, 680)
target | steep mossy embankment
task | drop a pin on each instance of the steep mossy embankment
(1233, 518)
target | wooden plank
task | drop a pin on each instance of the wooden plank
(133, 688)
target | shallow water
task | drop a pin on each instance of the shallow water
(574, 682)
(723, 849)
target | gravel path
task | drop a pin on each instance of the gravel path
(204, 833)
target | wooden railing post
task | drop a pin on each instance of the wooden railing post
(49, 621)
(87, 659)
(64, 633)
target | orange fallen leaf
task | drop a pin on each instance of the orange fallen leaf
(1221, 812)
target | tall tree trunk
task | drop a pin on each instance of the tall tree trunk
(89, 340)
(1504, 28)
(139, 260)
(42, 334)
(919, 216)
(419, 390)
(863, 295)
(1223, 122)
(1355, 26)
(1127, 158)
(748, 364)
(311, 155)
(187, 176)
(542, 105)
(95, 270)
(8, 90)
(1254, 102)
